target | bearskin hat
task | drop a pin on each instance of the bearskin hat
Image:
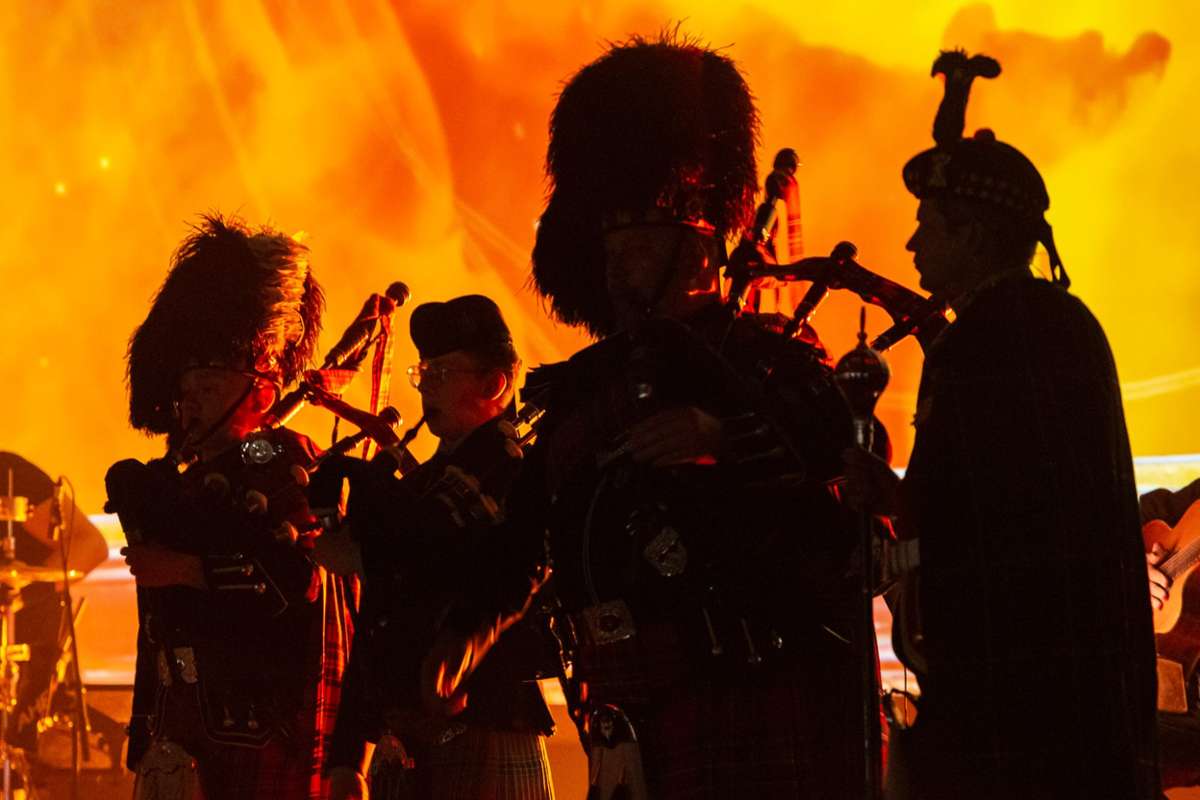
(664, 125)
(982, 171)
(234, 297)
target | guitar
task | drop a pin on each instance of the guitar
(1177, 623)
(1182, 545)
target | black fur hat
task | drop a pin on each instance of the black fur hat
(234, 297)
(983, 171)
(664, 125)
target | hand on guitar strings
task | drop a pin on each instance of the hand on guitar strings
(1160, 584)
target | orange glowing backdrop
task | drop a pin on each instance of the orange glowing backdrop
(407, 138)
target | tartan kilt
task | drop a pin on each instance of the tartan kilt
(279, 769)
(244, 773)
(485, 764)
(785, 730)
(285, 767)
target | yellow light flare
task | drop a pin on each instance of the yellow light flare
(409, 138)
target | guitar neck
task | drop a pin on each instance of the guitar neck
(1181, 560)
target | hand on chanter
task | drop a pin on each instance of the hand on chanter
(870, 483)
(153, 566)
(1160, 584)
(676, 436)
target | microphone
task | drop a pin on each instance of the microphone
(56, 510)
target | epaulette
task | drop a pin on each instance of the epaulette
(542, 379)
(545, 382)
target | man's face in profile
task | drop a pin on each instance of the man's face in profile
(941, 251)
(457, 394)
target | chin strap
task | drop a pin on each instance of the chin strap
(1058, 273)
(189, 448)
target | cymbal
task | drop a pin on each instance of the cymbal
(88, 548)
(17, 574)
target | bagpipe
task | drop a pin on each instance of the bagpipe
(753, 263)
(462, 489)
(291, 494)
(735, 368)
(243, 512)
(750, 557)
(265, 477)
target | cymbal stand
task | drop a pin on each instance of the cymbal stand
(10, 655)
(79, 725)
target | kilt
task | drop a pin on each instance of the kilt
(281, 769)
(286, 768)
(777, 739)
(787, 730)
(477, 764)
(485, 764)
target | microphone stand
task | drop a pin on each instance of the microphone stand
(861, 375)
(80, 747)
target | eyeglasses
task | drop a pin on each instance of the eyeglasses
(432, 373)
